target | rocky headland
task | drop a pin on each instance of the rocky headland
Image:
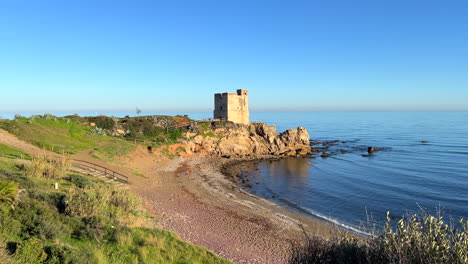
(249, 141)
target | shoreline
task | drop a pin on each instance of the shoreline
(192, 197)
(236, 171)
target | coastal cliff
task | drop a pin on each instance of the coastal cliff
(244, 141)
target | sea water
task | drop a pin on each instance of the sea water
(422, 167)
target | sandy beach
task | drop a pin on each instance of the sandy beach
(191, 197)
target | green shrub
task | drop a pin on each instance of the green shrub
(152, 131)
(30, 251)
(64, 255)
(79, 181)
(103, 122)
(124, 200)
(181, 149)
(8, 193)
(37, 220)
(174, 134)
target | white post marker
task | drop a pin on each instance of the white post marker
(56, 186)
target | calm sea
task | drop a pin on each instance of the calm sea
(349, 189)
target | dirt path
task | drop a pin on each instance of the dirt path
(11, 140)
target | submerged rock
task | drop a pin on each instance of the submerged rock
(372, 149)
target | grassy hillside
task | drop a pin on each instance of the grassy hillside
(69, 135)
(7, 151)
(85, 221)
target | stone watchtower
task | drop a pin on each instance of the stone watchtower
(232, 106)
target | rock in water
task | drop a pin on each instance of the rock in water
(372, 149)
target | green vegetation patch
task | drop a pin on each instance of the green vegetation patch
(85, 221)
(7, 151)
(103, 122)
(111, 149)
(56, 134)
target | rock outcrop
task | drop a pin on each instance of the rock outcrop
(251, 141)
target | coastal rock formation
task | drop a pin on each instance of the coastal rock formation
(252, 140)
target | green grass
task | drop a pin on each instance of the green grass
(52, 134)
(139, 174)
(10, 152)
(61, 135)
(111, 149)
(85, 221)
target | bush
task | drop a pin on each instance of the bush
(175, 134)
(86, 203)
(124, 200)
(36, 220)
(103, 122)
(416, 239)
(79, 181)
(152, 131)
(8, 193)
(30, 251)
(62, 255)
(425, 239)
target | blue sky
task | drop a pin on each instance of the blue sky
(292, 55)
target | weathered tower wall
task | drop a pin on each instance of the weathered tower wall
(232, 106)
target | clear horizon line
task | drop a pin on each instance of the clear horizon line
(209, 111)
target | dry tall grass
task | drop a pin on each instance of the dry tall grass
(87, 202)
(43, 166)
(416, 239)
